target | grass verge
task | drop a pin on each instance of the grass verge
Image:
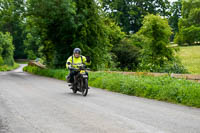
(54, 73)
(163, 88)
(8, 68)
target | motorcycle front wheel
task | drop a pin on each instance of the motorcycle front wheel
(84, 87)
(74, 89)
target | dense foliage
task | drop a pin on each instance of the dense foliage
(189, 24)
(156, 51)
(12, 21)
(129, 14)
(175, 10)
(117, 35)
(54, 22)
(127, 54)
(6, 49)
(8, 68)
(68, 24)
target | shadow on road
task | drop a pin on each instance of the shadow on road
(3, 128)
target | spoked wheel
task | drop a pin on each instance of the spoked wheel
(84, 86)
(74, 87)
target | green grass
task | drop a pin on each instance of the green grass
(190, 57)
(163, 88)
(8, 68)
(54, 73)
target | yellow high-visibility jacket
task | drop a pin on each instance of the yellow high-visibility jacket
(76, 61)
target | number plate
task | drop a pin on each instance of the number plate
(85, 76)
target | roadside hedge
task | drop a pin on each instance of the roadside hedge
(8, 68)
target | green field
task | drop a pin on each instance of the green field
(190, 57)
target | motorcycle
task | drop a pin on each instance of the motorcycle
(80, 80)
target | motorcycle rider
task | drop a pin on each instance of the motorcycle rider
(73, 62)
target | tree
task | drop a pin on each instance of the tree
(189, 24)
(92, 35)
(6, 49)
(65, 24)
(175, 10)
(129, 14)
(11, 20)
(55, 24)
(155, 52)
(33, 42)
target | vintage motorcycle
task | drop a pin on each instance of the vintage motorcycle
(80, 79)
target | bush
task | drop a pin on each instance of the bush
(6, 49)
(8, 68)
(191, 35)
(174, 66)
(127, 54)
(1, 61)
(54, 73)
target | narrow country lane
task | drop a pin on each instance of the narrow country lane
(35, 104)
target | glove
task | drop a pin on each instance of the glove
(88, 59)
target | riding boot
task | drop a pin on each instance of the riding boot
(71, 84)
(68, 79)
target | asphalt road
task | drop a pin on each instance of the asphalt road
(34, 104)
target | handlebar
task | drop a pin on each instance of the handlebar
(81, 67)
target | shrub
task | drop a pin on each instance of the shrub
(6, 49)
(8, 68)
(1, 61)
(174, 66)
(127, 54)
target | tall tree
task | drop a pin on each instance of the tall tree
(130, 13)
(175, 10)
(6, 49)
(93, 33)
(156, 51)
(12, 20)
(65, 24)
(55, 23)
(33, 43)
(189, 24)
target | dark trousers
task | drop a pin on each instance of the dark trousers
(71, 76)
